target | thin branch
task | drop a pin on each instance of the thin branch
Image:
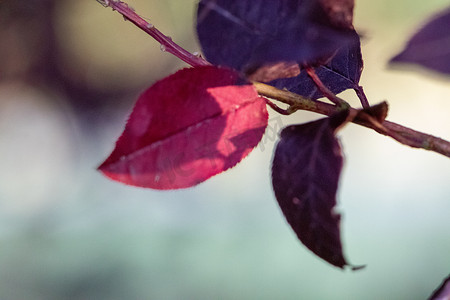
(398, 132)
(418, 139)
(166, 42)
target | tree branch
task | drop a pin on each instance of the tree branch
(398, 132)
(166, 42)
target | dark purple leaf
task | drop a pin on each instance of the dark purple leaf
(302, 41)
(341, 73)
(305, 175)
(430, 46)
(243, 34)
(443, 291)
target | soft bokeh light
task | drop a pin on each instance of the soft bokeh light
(66, 232)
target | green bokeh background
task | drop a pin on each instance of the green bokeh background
(66, 232)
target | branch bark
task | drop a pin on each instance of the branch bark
(166, 42)
(402, 134)
(398, 132)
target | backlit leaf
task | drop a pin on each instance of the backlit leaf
(186, 128)
(430, 46)
(305, 176)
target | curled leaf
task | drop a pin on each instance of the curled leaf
(305, 175)
(379, 111)
(186, 128)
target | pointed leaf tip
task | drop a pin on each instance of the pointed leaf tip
(305, 176)
(186, 128)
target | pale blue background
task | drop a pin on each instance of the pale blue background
(66, 232)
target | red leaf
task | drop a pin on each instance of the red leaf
(186, 128)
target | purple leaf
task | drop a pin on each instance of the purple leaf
(305, 175)
(302, 41)
(243, 34)
(430, 46)
(341, 73)
(443, 291)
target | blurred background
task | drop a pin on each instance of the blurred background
(70, 72)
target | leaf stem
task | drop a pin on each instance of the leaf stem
(398, 132)
(362, 96)
(276, 108)
(324, 90)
